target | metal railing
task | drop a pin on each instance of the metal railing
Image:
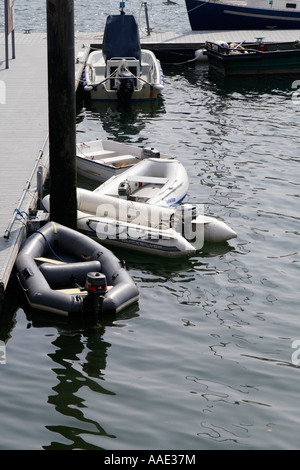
(26, 189)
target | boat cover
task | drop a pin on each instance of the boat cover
(121, 37)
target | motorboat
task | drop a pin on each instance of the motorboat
(216, 15)
(99, 160)
(66, 273)
(160, 230)
(160, 181)
(260, 58)
(121, 70)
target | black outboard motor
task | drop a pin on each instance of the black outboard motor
(96, 287)
(125, 86)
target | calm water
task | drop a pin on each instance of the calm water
(205, 361)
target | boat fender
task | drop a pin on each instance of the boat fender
(96, 286)
(222, 45)
(88, 88)
(158, 86)
(200, 56)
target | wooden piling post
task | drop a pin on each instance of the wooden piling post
(62, 111)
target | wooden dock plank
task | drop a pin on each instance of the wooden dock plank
(165, 44)
(23, 131)
(197, 39)
(23, 127)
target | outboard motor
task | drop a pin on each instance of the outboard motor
(96, 286)
(126, 188)
(184, 215)
(125, 86)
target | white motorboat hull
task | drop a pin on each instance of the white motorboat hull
(149, 82)
(121, 71)
(99, 160)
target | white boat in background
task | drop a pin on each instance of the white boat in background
(99, 160)
(122, 71)
(216, 15)
(160, 181)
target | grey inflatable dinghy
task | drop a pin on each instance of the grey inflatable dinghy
(67, 273)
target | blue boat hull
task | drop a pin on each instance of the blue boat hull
(208, 16)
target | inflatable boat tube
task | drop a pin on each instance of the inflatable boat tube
(64, 272)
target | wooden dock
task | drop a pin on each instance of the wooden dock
(23, 129)
(23, 138)
(24, 116)
(173, 47)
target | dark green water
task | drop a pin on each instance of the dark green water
(206, 360)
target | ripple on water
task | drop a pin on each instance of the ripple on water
(205, 360)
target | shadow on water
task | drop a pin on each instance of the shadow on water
(198, 74)
(256, 84)
(79, 364)
(14, 298)
(122, 123)
(80, 359)
(9, 305)
(74, 373)
(78, 353)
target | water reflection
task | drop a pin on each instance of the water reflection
(80, 358)
(79, 364)
(258, 85)
(8, 307)
(120, 123)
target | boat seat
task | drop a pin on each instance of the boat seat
(72, 291)
(148, 179)
(42, 259)
(120, 159)
(76, 291)
(100, 154)
(67, 275)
